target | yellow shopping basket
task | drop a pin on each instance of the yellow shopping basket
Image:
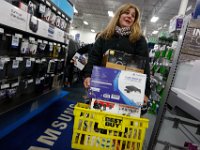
(97, 130)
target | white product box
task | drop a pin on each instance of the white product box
(79, 61)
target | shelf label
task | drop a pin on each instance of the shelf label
(32, 59)
(42, 78)
(39, 41)
(48, 3)
(15, 84)
(59, 12)
(19, 58)
(45, 42)
(1, 30)
(18, 35)
(30, 81)
(54, 8)
(4, 86)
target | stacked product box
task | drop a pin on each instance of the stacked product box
(120, 88)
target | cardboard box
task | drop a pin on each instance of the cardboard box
(118, 86)
(115, 108)
(124, 61)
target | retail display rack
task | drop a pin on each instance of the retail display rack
(33, 50)
(182, 88)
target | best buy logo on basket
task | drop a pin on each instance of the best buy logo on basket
(113, 122)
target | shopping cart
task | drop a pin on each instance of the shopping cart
(98, 130)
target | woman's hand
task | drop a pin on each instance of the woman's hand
(86, 82)
(145, 100)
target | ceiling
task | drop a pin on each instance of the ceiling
(95, 12)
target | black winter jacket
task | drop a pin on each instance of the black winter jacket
(120, 43)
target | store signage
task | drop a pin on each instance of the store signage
(12, 16)
(191, 43)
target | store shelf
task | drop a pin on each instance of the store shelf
(183, 100)
(20, 114)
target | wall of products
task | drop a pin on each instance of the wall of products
(33, 49)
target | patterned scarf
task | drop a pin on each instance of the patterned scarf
(123, 31)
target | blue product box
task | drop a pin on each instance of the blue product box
(119, 86)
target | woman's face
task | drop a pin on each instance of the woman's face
(127, 18)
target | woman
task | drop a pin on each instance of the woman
(122, 33)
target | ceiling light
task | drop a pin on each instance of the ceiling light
(85, 22)
(155, 32)
(110, 14)
(154, 19)
(92, 30)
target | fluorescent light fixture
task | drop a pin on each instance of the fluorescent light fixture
(154, 19)
(110, 14)
(92, 30)
(75, 10)
(85, 22)
(155, 32)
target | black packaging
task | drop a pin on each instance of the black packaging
(14, 67)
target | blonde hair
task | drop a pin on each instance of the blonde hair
(109, 31)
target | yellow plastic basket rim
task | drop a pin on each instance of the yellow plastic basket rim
(111, 114)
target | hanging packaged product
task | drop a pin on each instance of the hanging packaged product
(14, 68)
(79, 60)
(51, 66)
(3, 66)
(52, 18)
(31, 8)
(58, 20)
(33, 47)
(25, 47)
(119, 86)
(47, 14)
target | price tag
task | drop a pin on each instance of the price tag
(62, 59)
(19, 58)
(32, 59)
(39, 41)
(54, 8)
(59, 12)
(45, 42)
(43, 59)
(2, 64)
(15, 64)
(30, 81)
(37, 81)
(38, 61)
(48, 3)
(15, 41)
(31, 39)
(67, 19)
(42, 78)
(50, 43)
(1, 30)
(15, 84)
(4, 86)
(18, 35)
(63, 15)
(28, 63)
(52, 75)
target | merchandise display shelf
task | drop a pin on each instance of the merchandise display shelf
(182, 99)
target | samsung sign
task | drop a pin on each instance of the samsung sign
(65, 6)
